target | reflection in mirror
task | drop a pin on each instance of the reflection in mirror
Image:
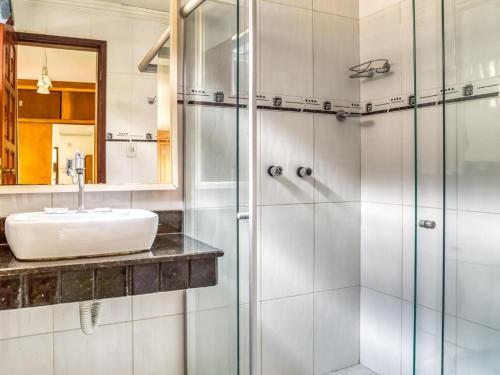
(56, 114)
(78, 88)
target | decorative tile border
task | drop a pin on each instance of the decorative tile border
(457, 93)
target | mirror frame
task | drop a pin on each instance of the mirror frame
(93, 45)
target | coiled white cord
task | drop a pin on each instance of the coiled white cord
(90, 312)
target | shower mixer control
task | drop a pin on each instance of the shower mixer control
(274, 171)
(303, 172)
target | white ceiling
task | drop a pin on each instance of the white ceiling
(163, 5)
(63, 64)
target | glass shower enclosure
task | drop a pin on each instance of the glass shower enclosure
(457, 154)
(216, 182)
(453, 135)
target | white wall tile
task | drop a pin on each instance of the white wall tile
(24, 322)
(407, 338)
(118, 165)
(28, 19)
(27, 355)
(295, 3)
(244, 335)
(144, 115)
(145, 164)
(381, 179)
(429, 44)
(211, 155)
(407, 55)
(346, 8)
(118, 102)
(213, 65)
(286, 140)
(216, 227)
(337, 159)
(144, 35)
(367, 7)
(428, 341)
(68, 22)
(475, 45)
(159, 346)
(336, 47)
(157, 304)
(430, 157)
(117, 31)
(408, 157)
(110, 199)
(381, 247)
(286, 50)
(287, 248)
(478, 156)
(380, 332)
(287, 336)
(14, 203)
(107, 351)
(114, 310)
(408, 267)
(336, 245)
(477, 297)
(478, 349)
(336, 329)
(211, 341)
(477, 238)
(430, 259)
(380, 39)
(158, 200)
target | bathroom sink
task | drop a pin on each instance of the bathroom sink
(71, 234)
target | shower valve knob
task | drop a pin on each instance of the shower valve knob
(303, 172)
(274, 171)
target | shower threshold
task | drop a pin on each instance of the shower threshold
(354, 370)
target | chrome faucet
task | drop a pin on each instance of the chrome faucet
(78, 173)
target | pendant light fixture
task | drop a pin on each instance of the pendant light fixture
(44, 83)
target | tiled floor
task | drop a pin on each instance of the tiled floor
(354, 370)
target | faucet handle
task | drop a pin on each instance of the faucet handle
(304, 172)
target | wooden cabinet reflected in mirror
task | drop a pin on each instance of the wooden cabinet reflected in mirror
(63, 93)
(51, 128)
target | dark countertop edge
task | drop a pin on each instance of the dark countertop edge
(108, 262)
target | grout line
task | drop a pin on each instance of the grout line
(308, 294)
(132, 328)
(53, 342)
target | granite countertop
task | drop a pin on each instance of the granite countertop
(174, 262)
(166, 248)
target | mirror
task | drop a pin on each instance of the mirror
(76, 87)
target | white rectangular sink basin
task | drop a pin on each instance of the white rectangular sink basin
(40, 235)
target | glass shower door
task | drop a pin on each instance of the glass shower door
(215, 175)
(457, 268)
(472, 311)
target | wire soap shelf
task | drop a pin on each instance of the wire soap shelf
(370, 68)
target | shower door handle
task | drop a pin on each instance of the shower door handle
(243, 216)
(427, 224)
